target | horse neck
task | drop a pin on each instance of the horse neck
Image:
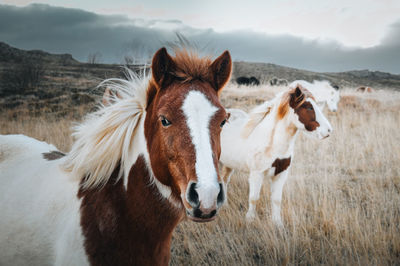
(128, 226)
(280, 134)
(285, 134)
(155, 216)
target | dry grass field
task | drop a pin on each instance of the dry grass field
(341, 204)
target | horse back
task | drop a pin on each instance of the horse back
(38, 205)
(14, 146)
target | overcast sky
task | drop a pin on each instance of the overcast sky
(316, 35)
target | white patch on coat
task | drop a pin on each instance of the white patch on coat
(198, 111)
(40, 210)
(325, 128)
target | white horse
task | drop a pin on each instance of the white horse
(323, 93)
(138, 166)
(262, 142)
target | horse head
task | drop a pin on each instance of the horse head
(307, 116)
(184, 118)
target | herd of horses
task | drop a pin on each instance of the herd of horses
(145, 160)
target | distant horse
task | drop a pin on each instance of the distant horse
(365, 89)
(252, 81)
(278, 82)
(323, 92)
(139, 165)
(262, 142)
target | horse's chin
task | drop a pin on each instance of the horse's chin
(311, 135)
(201, 220)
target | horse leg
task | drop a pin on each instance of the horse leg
(255, 183)
(276, 196)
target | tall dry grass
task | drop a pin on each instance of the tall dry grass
(341, 204)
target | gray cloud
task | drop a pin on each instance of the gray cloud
(65, 30)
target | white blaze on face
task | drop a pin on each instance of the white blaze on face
(198, 111)
(325, 127)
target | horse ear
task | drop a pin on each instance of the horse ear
(162, 67)
(109, 97)
(221, 70)
(298, 92)
(296, 97)
(106, 97)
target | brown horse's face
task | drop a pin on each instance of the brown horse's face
(308, 116)
(182, 129)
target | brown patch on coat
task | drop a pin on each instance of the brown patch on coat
(53, 155)
(303, 108)
(281, 165)
(293, 98)
(132, 227)
(307, 116)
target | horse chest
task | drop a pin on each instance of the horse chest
(127, 227)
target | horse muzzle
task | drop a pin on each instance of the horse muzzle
(202, 210)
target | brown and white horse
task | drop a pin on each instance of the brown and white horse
(262, 142)
(138, 166)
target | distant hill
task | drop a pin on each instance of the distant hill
(10, 54)
(36, 80)
(264, 72)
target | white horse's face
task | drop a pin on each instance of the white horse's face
(308, 117)
(333, 99)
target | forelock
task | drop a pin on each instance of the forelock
(190, 66)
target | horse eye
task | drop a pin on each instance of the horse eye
(165, 122)
(223, 123)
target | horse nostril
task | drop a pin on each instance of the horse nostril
(197, 213)
(221, 195)
(213, 213)
(192, 196)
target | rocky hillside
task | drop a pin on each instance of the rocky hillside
(35, 81)
(264, 72)
(13, 55)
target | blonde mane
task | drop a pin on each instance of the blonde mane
(255, 117)
(103, 140)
